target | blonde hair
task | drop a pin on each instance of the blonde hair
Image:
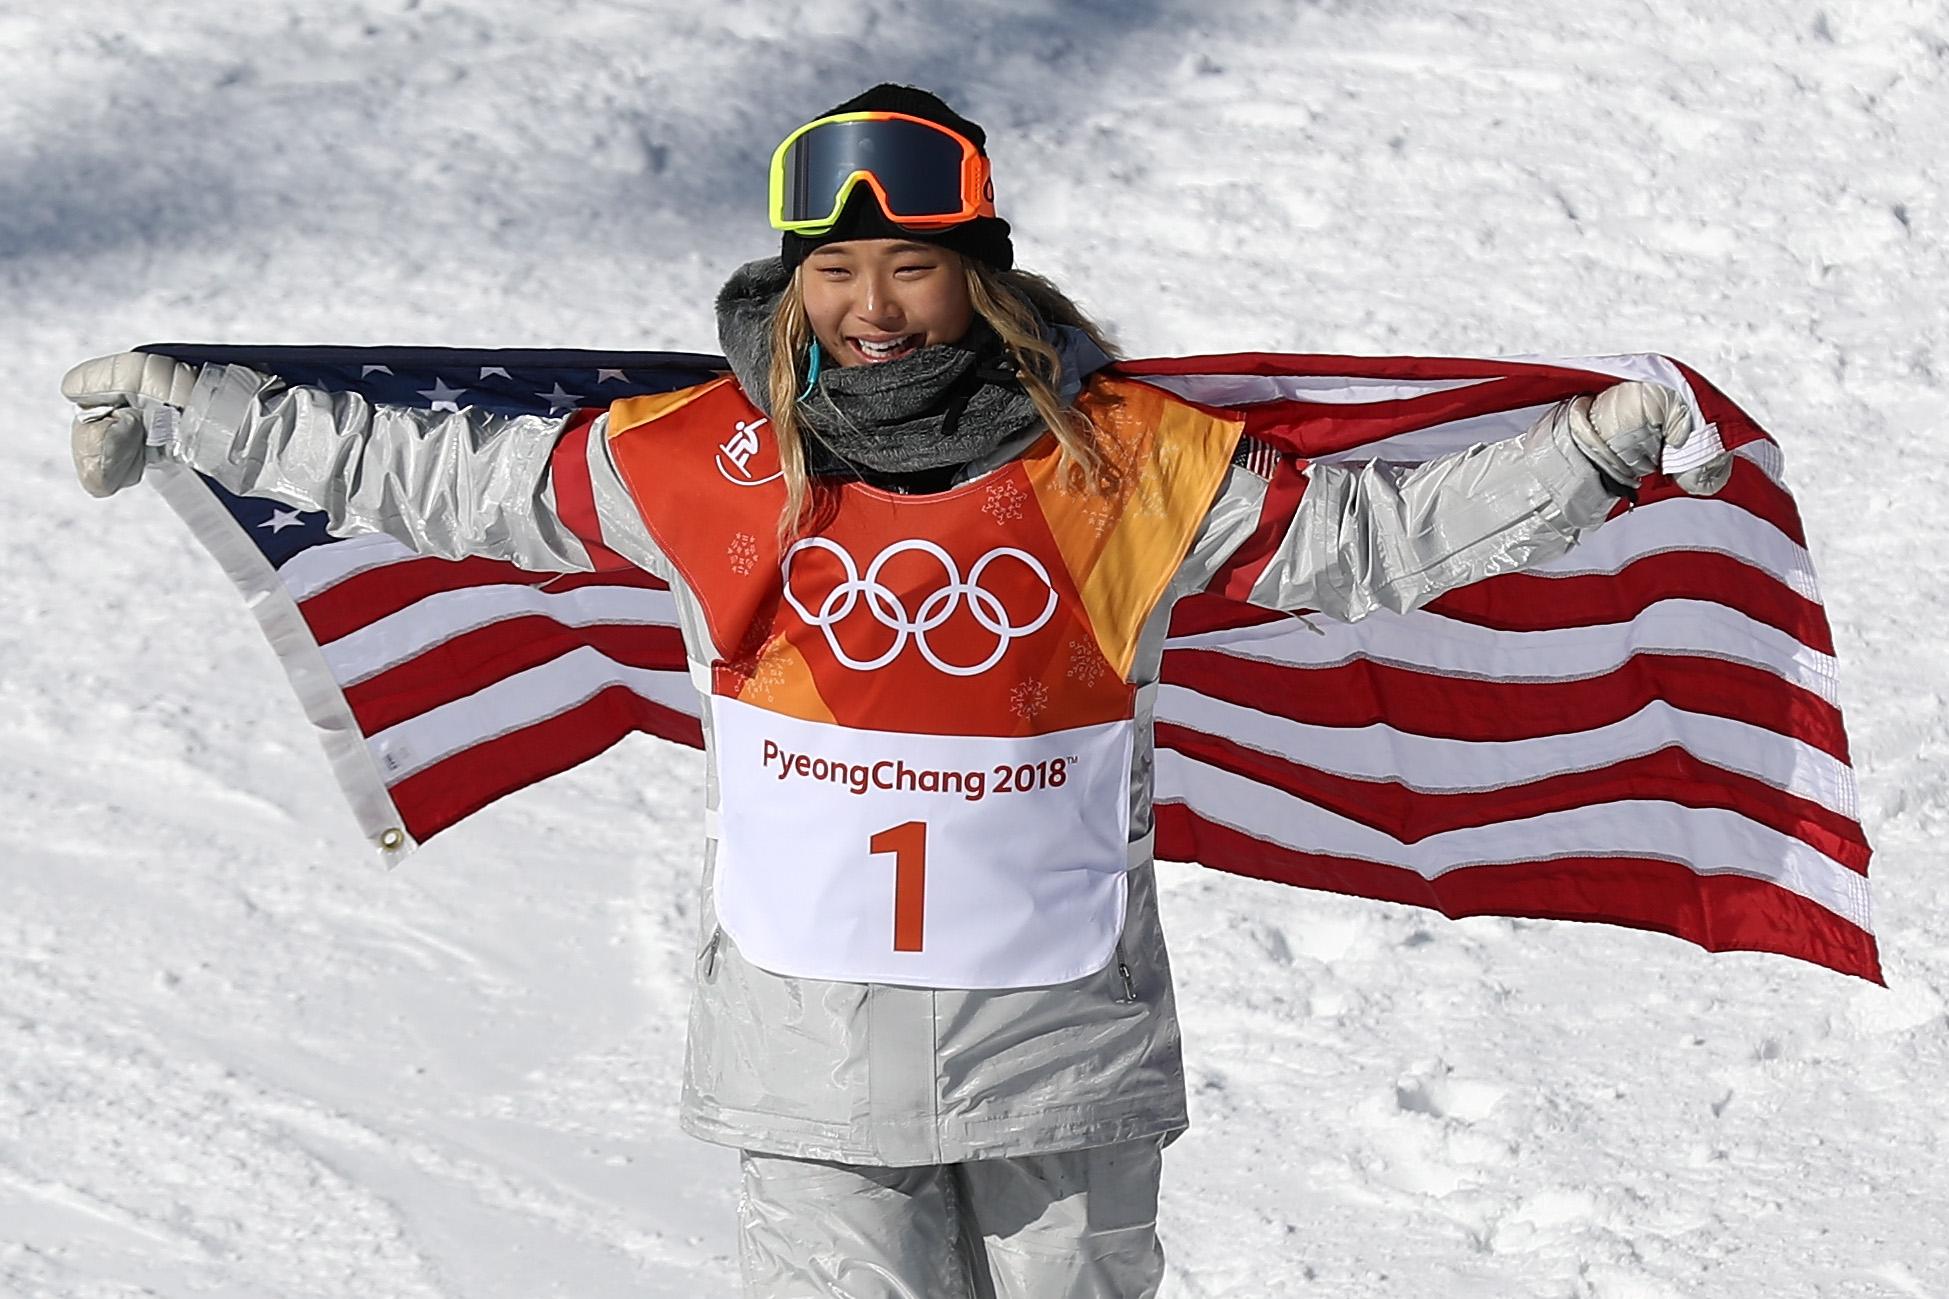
(1010, 302)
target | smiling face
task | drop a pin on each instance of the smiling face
(876, 300)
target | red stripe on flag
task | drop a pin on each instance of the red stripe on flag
(432, 799)
(1526, 602)
(575, 497)
(380, 592)
(477, 659)
(1364, 692)
(1721, 913)
(1203, 612)
(1749, 489)
(1667, 775)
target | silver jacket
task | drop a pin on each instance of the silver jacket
(874, 1073)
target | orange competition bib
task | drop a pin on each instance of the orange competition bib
(921, 710)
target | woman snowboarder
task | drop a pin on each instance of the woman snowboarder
(924, 544)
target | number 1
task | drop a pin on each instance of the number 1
(908, 844)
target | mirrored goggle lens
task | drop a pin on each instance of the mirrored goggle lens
(917, 166)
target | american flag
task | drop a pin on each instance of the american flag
(1644, 732)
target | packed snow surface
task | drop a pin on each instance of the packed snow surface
(239, 1060)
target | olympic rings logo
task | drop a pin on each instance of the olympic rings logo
(883, 604)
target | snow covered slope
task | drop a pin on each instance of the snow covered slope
(239, 1060)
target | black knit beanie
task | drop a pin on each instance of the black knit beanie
(984, 238)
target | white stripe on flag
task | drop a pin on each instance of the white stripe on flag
(519, 701)
(1335, 389)
(1699, 448)
(1438, 765)
(1457, 649)
(309, 572)
(1769, 458)
(1675, 525)
(1705, 840)
(440, 617)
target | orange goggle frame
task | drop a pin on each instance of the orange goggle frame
(925, 175)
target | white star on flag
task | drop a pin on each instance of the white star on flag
(488, 371)
(604, 376)
(558, 399)
(282, 519)
(374, 369)
(441, 396)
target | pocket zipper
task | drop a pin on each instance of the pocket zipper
(710, 953)
(1123, 972)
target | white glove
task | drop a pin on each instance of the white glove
(108, 435)
(1627, 429)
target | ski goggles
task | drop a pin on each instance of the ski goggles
(924, 174)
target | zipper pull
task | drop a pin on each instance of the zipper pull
(710, 953)
(1129, 984)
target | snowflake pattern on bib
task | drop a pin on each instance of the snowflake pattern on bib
(1004, 503)
(1029, 698)
(1085, 663)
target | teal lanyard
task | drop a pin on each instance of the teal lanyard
(812, 371)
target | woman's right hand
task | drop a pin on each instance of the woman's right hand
(109, 434)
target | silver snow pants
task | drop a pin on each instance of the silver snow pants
(1078, 1224)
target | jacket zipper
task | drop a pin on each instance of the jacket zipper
(1123, 972)
(710, 953)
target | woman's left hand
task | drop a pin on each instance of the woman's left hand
(1628, 430)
